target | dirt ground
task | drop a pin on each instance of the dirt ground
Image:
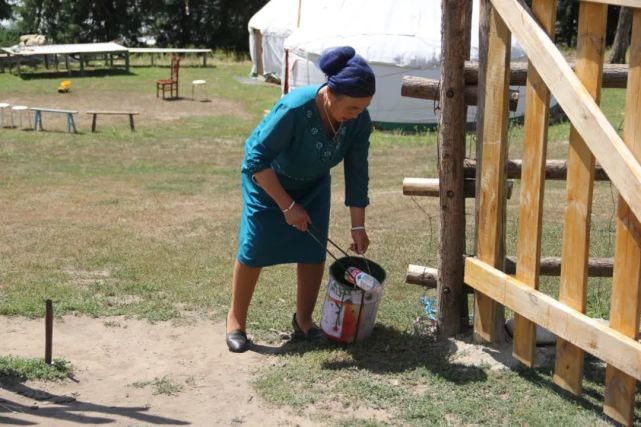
(150, 109)
(116, 362)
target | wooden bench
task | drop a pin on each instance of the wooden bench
(71, 125)
(131, 115)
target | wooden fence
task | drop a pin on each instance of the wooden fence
(591, 138)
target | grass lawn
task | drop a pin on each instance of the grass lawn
(145, 224)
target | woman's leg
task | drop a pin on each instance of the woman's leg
(243, 284)
(309, 280)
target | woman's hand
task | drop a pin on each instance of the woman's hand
(360, 241)
(297, 217)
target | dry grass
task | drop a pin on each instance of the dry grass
(145, 224)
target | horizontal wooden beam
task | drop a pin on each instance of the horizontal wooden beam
(626, 3)
(427, 277)
(422, 276)
(554, 170)
(549, 266)
(424, 88)
(603, 140)
(614, 75)
(622, 352)
(430, 187)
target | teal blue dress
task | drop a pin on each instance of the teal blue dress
(293, 142)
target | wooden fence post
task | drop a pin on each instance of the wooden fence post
(625, 307)
(456, 22)
(491, 197)
(580, 182)
(528, 251)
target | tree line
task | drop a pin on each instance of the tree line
(216, 24)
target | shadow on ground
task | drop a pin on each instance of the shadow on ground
(63, 407)
(392, 351)
(388, 350)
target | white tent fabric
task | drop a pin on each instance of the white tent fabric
(276, 21)
(397, 38)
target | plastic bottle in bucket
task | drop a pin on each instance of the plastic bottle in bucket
(349, 312)
(358, 277)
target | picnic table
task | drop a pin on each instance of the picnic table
(71, 125)
(131, 115)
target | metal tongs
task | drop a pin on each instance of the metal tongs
(309, 231)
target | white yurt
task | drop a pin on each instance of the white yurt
(274, 22)
(396, 37)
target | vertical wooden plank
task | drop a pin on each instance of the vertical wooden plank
(625, 308)
(465, 309)
(491, 196)
(485, 7)
(258, 42)
(455, 18)
(484, 28)
(580, 181)
(528, 250)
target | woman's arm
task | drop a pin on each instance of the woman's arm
(295, 214)
(359, 235)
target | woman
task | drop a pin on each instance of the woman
(286, 186)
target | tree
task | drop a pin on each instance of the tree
(567, 13)
(622, 36)
(5, 9)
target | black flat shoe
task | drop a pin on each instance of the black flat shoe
(313, 334)
(237, 341)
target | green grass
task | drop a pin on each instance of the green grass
(145, 224)
(19, 369)
(165, 386)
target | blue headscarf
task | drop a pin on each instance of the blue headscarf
(347, 73)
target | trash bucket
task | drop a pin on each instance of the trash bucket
(349, 313)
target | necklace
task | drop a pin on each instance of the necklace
(329, 119)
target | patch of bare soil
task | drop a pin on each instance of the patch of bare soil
(495, 358)
(132, 372)
(151, 109)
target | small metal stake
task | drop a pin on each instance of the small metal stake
(48, 331)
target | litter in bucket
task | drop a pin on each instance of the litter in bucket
(349, 313)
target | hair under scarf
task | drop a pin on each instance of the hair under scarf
(347, 73)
